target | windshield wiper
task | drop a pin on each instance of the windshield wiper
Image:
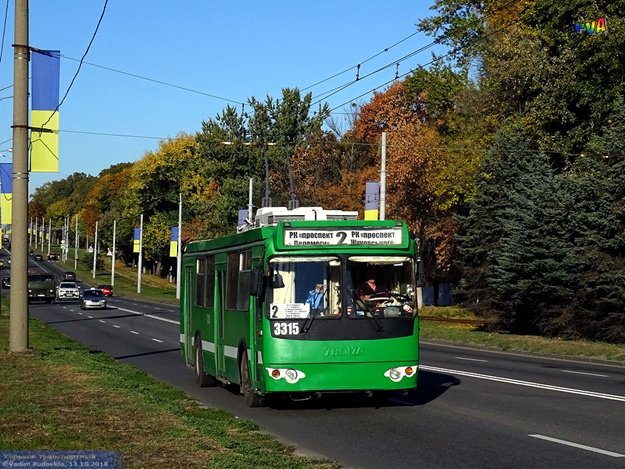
(368, 311)
(309, 320)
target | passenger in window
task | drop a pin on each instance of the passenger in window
(315, 299)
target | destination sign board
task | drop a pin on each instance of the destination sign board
(338, 237)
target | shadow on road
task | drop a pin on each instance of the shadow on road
(430, 386)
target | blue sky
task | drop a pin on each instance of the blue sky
(157, 68)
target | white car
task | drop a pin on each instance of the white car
(67, 291)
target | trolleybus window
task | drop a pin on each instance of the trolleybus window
(381, 286)
(238, 280)
(204, 281)
(308, 287)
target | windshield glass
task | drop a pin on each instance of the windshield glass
(380, 286)
(304, 287)
(311, 287)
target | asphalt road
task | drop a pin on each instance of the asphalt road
(472, 408)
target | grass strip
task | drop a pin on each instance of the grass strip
(62, 396)
(472, 336)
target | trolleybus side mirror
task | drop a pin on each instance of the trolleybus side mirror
(277, 281)
(257, 283)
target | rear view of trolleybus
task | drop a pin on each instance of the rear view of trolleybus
(309, 301)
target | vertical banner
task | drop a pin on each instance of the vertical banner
(136, 243)
(6, 178)
(173, 242)
(243, 220)
(372, 200)
(44, 134)
(6, 209)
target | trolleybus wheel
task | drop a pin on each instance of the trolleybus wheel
(201, 377)
(251, 398)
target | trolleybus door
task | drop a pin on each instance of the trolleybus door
(186, 307)
(219, 323)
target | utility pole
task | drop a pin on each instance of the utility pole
(383, 179)
(179, 248)
(95, 248)
(18, 324)
(140, 266)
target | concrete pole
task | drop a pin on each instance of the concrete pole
(76, 245)
(95, 249)
(140, 266)
(49, 234)
(18, 324)
(383, 179)
(113, 256)
(179, 250)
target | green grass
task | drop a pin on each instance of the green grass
(472, 335)
(61, 396)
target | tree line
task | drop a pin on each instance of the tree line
(505, 157)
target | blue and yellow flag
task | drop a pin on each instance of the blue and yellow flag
(136, 243)
(173, 242)
(372, 200)
(44, 134)
(6, 178)
(6, 209)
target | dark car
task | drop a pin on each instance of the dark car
(6, 282)
(69, 276)
(93, 299)
(52, 257)
(106, 289)
(38, 257)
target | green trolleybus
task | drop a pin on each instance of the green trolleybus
(280, 308)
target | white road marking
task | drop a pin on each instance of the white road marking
(116, 326)
(134, 332)
(102, 321)
(581, 392)
(148, 315)
(577, 445)
(80, 314)
(157, 340)
(90, 317)
(584, 373)
(471, 359)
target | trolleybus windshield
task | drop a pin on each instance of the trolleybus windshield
(320, 287)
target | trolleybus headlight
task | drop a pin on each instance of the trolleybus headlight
(395, 374)
(291, 376)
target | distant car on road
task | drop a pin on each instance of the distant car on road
(6, 282)
(52, 257)
(106, 289)
(38, 257)
(67, 291)
(68, 276)
(93, 299)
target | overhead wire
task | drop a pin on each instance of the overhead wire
(361, 63)
(4, 29)
(95, 32)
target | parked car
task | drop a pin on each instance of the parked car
(38, 257)
(93, 299)
(68, 276)
(52, 257)
(106, 289)
(6, 282)
(67, 291)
